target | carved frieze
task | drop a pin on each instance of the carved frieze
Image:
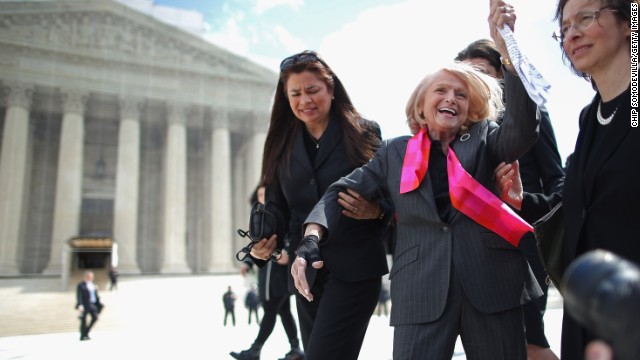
(18, 94)
(130, 108)
(178, 113)
(109, 34)
(220, 119)
(74, 101)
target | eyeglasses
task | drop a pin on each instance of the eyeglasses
(300, 58)
(582, 21)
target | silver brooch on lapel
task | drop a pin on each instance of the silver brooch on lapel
(464, 129)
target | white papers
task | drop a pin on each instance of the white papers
(537, 87)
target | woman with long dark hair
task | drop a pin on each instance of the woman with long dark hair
(316, 136)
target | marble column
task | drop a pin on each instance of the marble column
(175, 192)
(13, 173)
(240, 201)
(125, 221)
(221, 214)
(255, 151)
(68, 201)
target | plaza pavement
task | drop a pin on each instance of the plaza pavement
(160, 317)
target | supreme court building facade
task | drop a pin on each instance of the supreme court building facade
(115, 125)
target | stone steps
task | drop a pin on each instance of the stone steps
(143, 303)
(31, 306)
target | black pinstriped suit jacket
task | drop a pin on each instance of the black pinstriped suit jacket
(494, 274)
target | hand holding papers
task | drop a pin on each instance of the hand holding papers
(537, 87)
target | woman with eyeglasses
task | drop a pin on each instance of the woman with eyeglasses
(315, 137)
(601, 195)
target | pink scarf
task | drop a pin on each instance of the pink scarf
(467, 195)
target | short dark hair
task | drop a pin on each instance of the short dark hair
(484, 49)
(623, 13)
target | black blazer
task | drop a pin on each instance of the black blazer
(541, 167)
(357, 253)
(601, 192)
(600, 199)
(83, 297)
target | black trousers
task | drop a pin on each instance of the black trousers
(575, 338)
(278, 306)
(534, 310)
(92, 311)
(254, 310)
(231, 312)
(334, 324)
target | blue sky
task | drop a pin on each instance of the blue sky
(381, 49)
(269, 25)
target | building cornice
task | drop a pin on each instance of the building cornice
(107, 31)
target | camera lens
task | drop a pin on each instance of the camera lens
(602, 292)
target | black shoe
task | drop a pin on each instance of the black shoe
(294, 354)
(83, 338)
(246, 355)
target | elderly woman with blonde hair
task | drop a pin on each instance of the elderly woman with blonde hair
(457, 269)
(485, 98)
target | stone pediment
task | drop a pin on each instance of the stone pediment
(109, 31)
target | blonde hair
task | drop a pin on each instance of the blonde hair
(485, 95)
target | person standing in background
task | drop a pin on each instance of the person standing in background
(113, 278)
(383, 300)
(252, 302)
(88, 302)
(275, 299)
(229, 301)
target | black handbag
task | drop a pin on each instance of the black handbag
(265, 220)
(549, 231)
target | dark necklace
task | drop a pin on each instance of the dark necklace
(317, 142)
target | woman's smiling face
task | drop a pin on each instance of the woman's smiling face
(591, 49)
(445, 104)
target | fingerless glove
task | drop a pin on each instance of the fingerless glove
(309, 249)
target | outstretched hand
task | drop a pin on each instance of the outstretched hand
(308, 251)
